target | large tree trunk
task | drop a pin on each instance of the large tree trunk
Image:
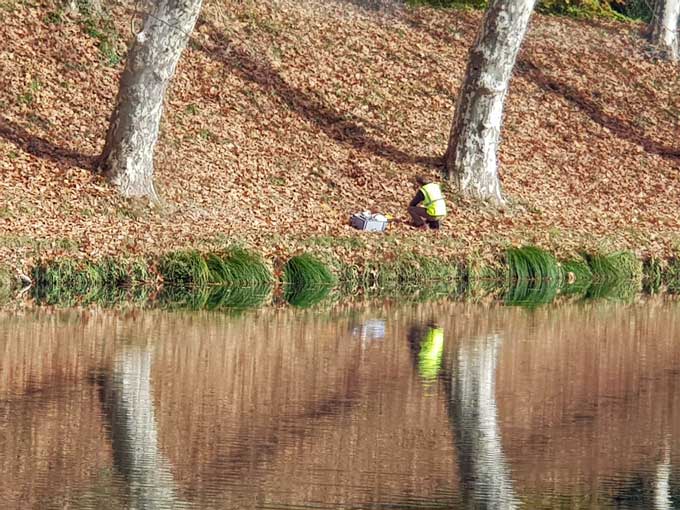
(127, 159)
(129, 406)
(471, 157)
(664, 28)
(473, 413)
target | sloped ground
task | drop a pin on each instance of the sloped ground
(286, 116)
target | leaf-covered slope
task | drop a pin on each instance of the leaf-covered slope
(286, 116)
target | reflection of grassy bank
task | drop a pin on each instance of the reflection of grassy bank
(214, 297)
(190, 279)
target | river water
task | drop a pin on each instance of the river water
(439, 405)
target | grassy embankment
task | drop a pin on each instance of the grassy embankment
(238, 279)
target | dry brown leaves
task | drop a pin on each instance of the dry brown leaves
(287, 116)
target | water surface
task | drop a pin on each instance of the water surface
(424, 406)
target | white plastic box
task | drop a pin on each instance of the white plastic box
(368, 223)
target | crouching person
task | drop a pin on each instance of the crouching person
(428, 207)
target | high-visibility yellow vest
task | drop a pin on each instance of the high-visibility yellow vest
(434, 200)
(430, 354)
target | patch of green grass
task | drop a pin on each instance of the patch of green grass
(70, 282)
(307, 281)
(207, 135)
(530, 263)
(191, 109)
(104, 31)
(615, 276)
(306, 270)
(240, 267)
(234, 267)
(28, 97)
(615, 266)
(184, 268)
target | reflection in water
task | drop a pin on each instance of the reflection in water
(128, 402)
(334, 409)
(474, 420)
(427, 345)
(662, 486)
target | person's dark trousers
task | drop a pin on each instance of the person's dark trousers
(420, 217)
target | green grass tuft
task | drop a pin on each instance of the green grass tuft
(615, 276)
(306, 270)
(184, 268)
(241, 267)
(234, 267)
(532, 264)
(616, 266)
(307, 281)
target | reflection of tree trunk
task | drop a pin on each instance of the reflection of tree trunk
(662, 483)
(128, 400)
(470, 386)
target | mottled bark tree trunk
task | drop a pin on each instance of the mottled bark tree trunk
(129, 405)
(127, 159)
(664, 28)
(471, 157)
(473, 412)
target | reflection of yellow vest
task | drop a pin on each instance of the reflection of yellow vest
(434, 200)
(430, 355)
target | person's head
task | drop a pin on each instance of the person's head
(422, 181)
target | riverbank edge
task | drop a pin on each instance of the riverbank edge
(298, 279)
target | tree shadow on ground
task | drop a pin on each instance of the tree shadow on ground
(529, 70)
(617, 126)
(42, 148)
(343, 128)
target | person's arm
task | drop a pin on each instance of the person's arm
(417, 199)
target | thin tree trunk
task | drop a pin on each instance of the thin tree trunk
(127, 158)
(664, 28)
(471, 157)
